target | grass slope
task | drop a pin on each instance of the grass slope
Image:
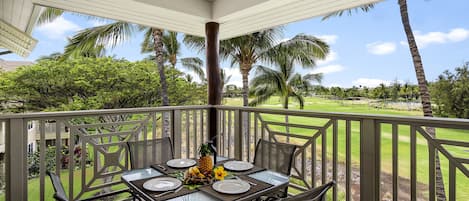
(325, 105)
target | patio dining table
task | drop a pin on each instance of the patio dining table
(271, 182)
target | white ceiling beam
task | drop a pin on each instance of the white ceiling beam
(235, 17)
(15, 40)
(134, 12)
(284, 14)
(201, 8)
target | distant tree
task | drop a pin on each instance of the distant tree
(395, 90)
(90, 83)
(451, 92)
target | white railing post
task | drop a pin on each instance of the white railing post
(177, 134)
(16, 163)
(370, 160)
(238, 139)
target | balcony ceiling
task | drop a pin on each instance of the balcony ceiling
(236, 17)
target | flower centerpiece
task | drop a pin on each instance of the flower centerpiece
(204, 173)
(219, 173)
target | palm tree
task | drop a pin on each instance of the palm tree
(421, 80)
(245, 51)
(282, 80)
(172, 49)
(224, 80)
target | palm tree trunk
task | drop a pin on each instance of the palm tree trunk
(287, 128)
(424, 93)
(245, 88)
(158, 47)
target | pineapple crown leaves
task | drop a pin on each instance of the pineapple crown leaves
(205, 150)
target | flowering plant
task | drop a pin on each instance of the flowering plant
(219, 173)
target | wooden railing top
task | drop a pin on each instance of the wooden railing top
(34, 115)
(427, 121)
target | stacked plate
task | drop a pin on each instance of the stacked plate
(231, 186)
(162, 184)
(238, 166)
(181, 163)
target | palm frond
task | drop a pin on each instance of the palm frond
(301, 49)
(108, 35)
(224, 78)
(313, 77)
(171, 42)
(48, 15)
(364, 8)
(147, 43)
(262, 93)
(195, 42)
(299, 98)
(195, 65)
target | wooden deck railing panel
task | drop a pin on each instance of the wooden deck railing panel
(326, 142)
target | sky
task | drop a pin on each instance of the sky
(366, 48)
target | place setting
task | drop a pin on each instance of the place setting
(226, 180)
(162, 187)
(174, 165)
(241, 167)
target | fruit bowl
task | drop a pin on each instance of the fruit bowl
(194, 176)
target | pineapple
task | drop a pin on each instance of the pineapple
(205, 161)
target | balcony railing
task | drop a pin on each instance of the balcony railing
(371, 157)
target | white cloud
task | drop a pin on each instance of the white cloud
(430, 38)
(381, 48)
(329, 39)
(370, 82)
(332, 56)
(96, 23)
(58, 28)
(328, 69)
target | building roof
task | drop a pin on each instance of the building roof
(13, 65)
(17, 19)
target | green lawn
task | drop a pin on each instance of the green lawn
(324, 105)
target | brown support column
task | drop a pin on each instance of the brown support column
(213, 75)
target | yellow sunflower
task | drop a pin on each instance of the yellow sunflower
(220, 173)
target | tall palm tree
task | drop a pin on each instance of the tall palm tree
(172, 50)
(248, 50)
(282, 80)
(114, 33)
(421, 80)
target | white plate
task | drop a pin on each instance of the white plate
(231, 186)
(162, 184)
(238, 165)
(181, 163)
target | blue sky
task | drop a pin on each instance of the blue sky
(367, 48)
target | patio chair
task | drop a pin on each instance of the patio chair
(275, 156)
(60, 194)
(315, 194)
(147, 152)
